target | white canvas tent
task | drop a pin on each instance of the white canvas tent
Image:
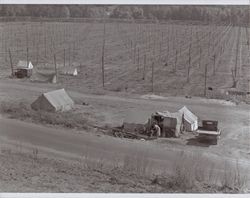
(190, 121)
(23, 65)
(57, 100)
(171, 121)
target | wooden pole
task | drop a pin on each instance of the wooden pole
(55, 66)
(37, 53)
(69, 57)
(103, 53)
(237, 51)
(160, 50)
(189, 63)
(152, 78)
(200, 57)
(175, 63)
(144, 66)
(214, 56)
(45, 44)
(64, 58)
(205, 82)
(168, 50)
(11, 65)
(138, 59)
(134, 53)
(74, 47)
(27, 58)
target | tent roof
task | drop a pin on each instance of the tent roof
(188, 115)
(168, 114)
(58, 98)
(23, 65)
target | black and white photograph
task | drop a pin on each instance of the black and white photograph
(125, 98)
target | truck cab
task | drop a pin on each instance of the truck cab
(209, 131)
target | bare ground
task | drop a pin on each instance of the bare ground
(111, 109)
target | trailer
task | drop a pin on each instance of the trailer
(209, 131)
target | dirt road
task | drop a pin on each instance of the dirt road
(73, 145)
(234, 121)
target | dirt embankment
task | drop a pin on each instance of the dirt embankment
(24, 170)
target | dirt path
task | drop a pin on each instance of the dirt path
(109, 150)
(233, 120)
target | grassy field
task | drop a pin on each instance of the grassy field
(31, 169)
(167, 58)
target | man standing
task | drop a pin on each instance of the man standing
(156, 130)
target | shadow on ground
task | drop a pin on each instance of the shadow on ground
(195, 141)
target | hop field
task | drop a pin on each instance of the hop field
(173, 58)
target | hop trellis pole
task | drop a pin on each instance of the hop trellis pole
(152, 78)
(205, 81)
(103, 53)
(11, 64)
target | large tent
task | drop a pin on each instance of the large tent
(190, 121)
(171, 121)
(57, 100)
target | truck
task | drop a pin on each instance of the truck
(209, 131)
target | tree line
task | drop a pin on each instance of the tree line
(238, 15)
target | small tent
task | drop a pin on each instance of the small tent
(24, 69)
(24, 65)
(69, 71)
(190, 121)
(57, 100)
